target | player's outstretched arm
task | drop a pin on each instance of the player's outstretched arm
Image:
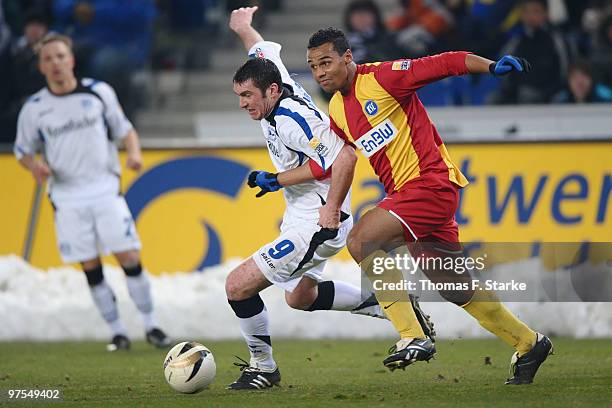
(406, 76)
(241, 23)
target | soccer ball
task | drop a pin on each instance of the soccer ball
(189, 367)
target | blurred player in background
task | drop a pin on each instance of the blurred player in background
(75, 124)
(375, 107)
(302, 147)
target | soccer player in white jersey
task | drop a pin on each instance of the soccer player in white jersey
(75, 124)
(317, 218)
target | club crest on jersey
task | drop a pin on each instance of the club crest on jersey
(370, 107)
(86, 103)
(318, 147)
(377, 138)
(403, 65)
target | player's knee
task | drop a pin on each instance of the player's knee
(354, 245)
(94, 275)
(128, 258)
(132, 271)
(232, 288)
(91, 264)
(300, 300)
(235, 288)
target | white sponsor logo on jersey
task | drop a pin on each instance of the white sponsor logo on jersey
(380, 136)
(71, 126)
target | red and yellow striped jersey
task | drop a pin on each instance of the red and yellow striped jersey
(383, 117)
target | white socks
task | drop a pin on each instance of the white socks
(254, 325)
(104, 299)
(139, 289)
(346, 296)
(336, 295)
(256, 332)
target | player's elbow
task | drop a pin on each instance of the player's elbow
(352, 155)
(347, 157)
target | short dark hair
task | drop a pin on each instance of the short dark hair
(330, 35)
(261, 71)
(356, 6)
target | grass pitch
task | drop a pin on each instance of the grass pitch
(326, 373)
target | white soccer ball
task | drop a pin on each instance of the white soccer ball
(189, 367)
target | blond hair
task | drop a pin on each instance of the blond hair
(53, 37)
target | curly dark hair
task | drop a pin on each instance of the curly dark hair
(330, 35)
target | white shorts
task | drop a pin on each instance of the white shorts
(301, 250)
(84, 231)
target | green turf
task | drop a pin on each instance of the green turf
(325, 373)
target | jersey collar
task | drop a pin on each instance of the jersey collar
(287, 92)
(80, 88)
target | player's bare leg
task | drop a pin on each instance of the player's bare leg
(376, 232)
(304, 294)
(139, 289)
(245, 281)
(242, 287)
(104, 299)
(311, 295)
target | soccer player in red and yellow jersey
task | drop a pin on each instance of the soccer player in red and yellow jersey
(376, 109)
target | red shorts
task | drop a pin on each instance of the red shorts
(426, 208)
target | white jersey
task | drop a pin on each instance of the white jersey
(76, 132)
(297, 131)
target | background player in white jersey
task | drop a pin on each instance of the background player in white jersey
(75, 124)
(302, 148)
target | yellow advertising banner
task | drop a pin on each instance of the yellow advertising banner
(193, 208)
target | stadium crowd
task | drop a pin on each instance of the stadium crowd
(568, 42)
(114, 40)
